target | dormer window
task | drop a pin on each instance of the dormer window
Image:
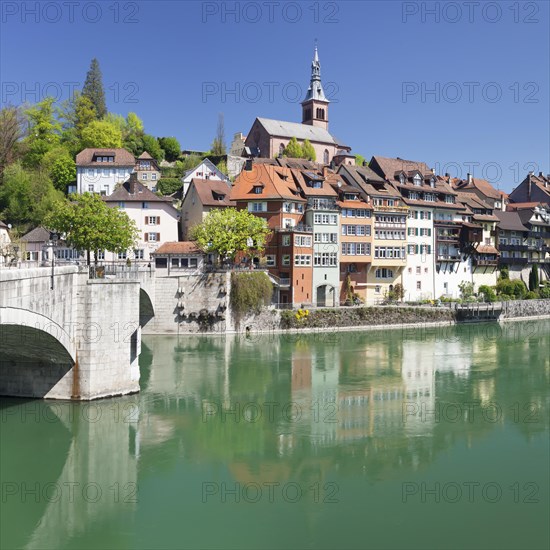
(258, 189)
(449, 199)
(417, 180)
(432, 182)
(218, 196)
(402, 179)
(350, 196)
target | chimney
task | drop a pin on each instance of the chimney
(433, 171)
(325, 171)
(469, 176)
(541, 175)
(132, 184)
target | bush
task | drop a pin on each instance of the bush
(167, 186)
(506, 297)
(544, 292)
(487, 293)
(531, 295)
(250, 292)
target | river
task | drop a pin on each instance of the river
(415, 438)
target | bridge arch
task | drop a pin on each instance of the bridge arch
(146, 309)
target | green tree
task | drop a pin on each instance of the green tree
(308, 152)
(26, 196)
(76, 114)
(359, 160)
(167, 186)
(293, 149)
(101, 133)
(171, 147)
(534, 278)
(152, 146)
(466, 290)
(63, 173)
(504, 272)
(93, 88)
(488, 293)
(90, 225)
(228, 232)
(44, 131)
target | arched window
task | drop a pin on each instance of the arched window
(322, 114)
(281, 149)
(325, 156)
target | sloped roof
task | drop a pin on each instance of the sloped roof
(367, 181)
(277, 181)
(37, 235)
(145, 156)
(206, 188)
(133, 191)
(281, 128)
(390, 166)
(3, 225)
(181, 247)
(122, 157)
(301, 177)
(509, 221)
(483, 186)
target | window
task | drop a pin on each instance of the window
(410, 249)
(326, 237)
(144, 176)
(121, 204)
(286, 240)
(152, 237)
(139, 254)
(154, 176)
(144, 205)
(258, 189)
(302, 240)
(325, 156)
(377, 289)
(286, 260)
(122, 255)
(281, 149)
(299, 207)
(389, 252)
(384, 273)
(270, 260)
(91, 188)
(418, 270)
(449, 199)
(413, 196)
(100, 254)
(417, 180)
(325, 219)
(288, 207)
(356, 249)
(257, 206)
(152, 220)
(402, 179)
(91, 172)
(326, 259)
(288, 222)
(418, 285)
(302, 259)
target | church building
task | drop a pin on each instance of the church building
(268, 138)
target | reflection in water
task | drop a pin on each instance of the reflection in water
(297, 441)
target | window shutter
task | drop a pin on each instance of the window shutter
(416, 249)
(416, 231)
(158, 220)
(146, 220)
(158, 237)
(146, 237)
(429, 232)
(429, 249)
(416, 214)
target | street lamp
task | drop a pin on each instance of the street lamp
(54, 237)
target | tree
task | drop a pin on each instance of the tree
(359, 160)
(488, 293)
(229, 231)
(308, 152)
(101, 133)
(12, 130)
(293, 149)
(90, 225)
(534, 278)
(218, 145)
(171, 147)
(93, 89)
(63, 173)
(26, 196)
(152, 146)
(44, 131)
(76, 113)
(466, 290)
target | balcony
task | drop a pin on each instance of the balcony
(295, 229)
(280, 281)
(448, 258)
(513, 247)
(389, 225)
(539, 234)
(322, 204)
(403, 209)
(484, 262)
(448, 238)
(512, 261)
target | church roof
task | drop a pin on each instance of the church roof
(281, 128)
(315, 91)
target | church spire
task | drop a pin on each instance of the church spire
(315, 90)
(315, 104)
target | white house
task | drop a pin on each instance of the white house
(206, 170)
(4, 242)
(156, 219)
(99, 170)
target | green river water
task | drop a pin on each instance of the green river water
(416, 438)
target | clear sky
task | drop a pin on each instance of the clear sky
(462, 86)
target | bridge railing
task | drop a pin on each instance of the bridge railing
(120, 271)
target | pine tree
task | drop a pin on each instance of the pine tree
(93, 88)
(534, 278)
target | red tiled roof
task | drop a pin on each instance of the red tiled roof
(181, 247)
(133, 191)
(206, 188)
(122, 157)
(355, 204)
(477, 183)
(277, 181)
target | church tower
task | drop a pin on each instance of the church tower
(315, 104)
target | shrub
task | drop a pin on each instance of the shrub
(531, 295)
(487, 293)
(250, 292)
(167, 186)
(544, 292)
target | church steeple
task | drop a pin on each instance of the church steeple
(315, 104)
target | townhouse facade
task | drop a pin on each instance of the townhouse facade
(148, 171)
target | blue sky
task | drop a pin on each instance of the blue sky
(175, 64)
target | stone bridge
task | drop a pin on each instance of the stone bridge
(68, 336)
